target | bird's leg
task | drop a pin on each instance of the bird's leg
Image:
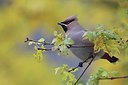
(81, 63)
(91, 56)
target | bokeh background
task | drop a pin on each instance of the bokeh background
(38, 18)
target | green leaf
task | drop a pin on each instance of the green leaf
(84, 35)
(41, 40)
(55, 33)
(54, 40)
(35, 47)
(38, 55)
(101, 73)
(100, 70)
(90, 35)
(105, 74)
(68, 41)
(99, 27)
(93, 80)
(80, 84)
(56, 70)
(63, 49)
(115, 73)
(30, 43)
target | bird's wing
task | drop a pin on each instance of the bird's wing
(77, 37)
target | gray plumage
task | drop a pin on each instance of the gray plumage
(75, 31)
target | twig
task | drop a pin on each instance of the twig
(46, 49)
(112, 78)
(84, 70)
(81, 46)
(44, 43)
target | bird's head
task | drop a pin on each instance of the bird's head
(66, 22)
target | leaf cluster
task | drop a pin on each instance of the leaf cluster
(66, 76)
(101, 73)
(106, 39)
(61, 43)
(38, 44)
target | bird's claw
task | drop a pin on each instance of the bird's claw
(80, 64)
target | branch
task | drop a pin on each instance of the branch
(46, 49)
(69, 45)
(112, 78)
(81, 46)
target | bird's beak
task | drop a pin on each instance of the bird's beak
(62, 24)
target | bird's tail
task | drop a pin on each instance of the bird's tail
(112, 59)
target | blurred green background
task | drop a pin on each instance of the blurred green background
(22, 18)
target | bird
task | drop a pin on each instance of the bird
(75, 31)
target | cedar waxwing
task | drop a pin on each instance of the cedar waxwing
(75, 31)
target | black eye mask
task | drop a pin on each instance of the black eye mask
(65, 23)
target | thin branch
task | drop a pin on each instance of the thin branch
(46, 49)
(44, 43)
(73, 68)
(69, 45)
(84, 70)
(112, 78)
(81, 46)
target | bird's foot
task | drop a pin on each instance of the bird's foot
(80, 64)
